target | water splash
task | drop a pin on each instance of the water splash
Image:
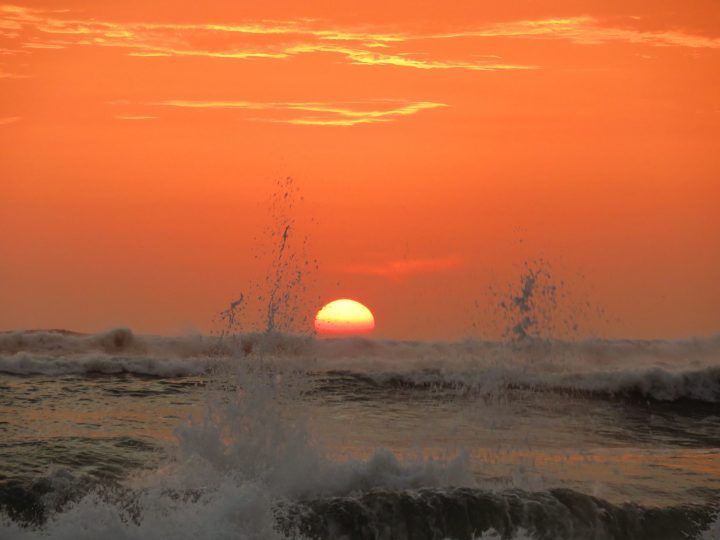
(285, 278)
(533, 306)
(541, 305)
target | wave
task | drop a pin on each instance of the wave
(204, 498)
(246, 510)
(122, 340)
(657, 384)
(673, 370)
(249, 467)
(102, 364)
(702, 385)
(465, 513)
(118, 340)
(118, 351)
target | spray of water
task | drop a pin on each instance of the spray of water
(533, 305)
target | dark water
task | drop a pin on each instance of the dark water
(269, 436)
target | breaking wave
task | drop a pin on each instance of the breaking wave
(384, 508)
(657, 384)
(104, 364)
(123, 340)
(464, 513)
(655, 370)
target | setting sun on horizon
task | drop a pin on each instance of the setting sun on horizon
(344, 317)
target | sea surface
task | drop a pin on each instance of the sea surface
(122, 436)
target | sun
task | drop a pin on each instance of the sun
(344, 317)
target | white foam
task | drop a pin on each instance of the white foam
(712, 531)
(661, 370)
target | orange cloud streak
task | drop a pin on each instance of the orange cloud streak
(326, 114)
(405, 267)
(585, 30)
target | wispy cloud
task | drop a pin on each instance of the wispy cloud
(43, 46)
(361, 46)
(10, 120)
(367, 57)
(235, 54)
(314, 113)
(135, 117)
(251, 40)
(405, 267)
(585, 30)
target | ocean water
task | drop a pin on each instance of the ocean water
(267, 435)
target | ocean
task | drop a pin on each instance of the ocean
(262, 435)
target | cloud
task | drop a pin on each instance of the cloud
(585, 30)
(43, 46)
(136, 117)
(405, 267)
(251, 40)
(10, 120)
(359, 46)
(366, 57)
(235, 54)
(314, 113)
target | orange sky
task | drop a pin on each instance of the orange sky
(437, 145)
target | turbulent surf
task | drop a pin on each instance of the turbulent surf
(267, 435)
